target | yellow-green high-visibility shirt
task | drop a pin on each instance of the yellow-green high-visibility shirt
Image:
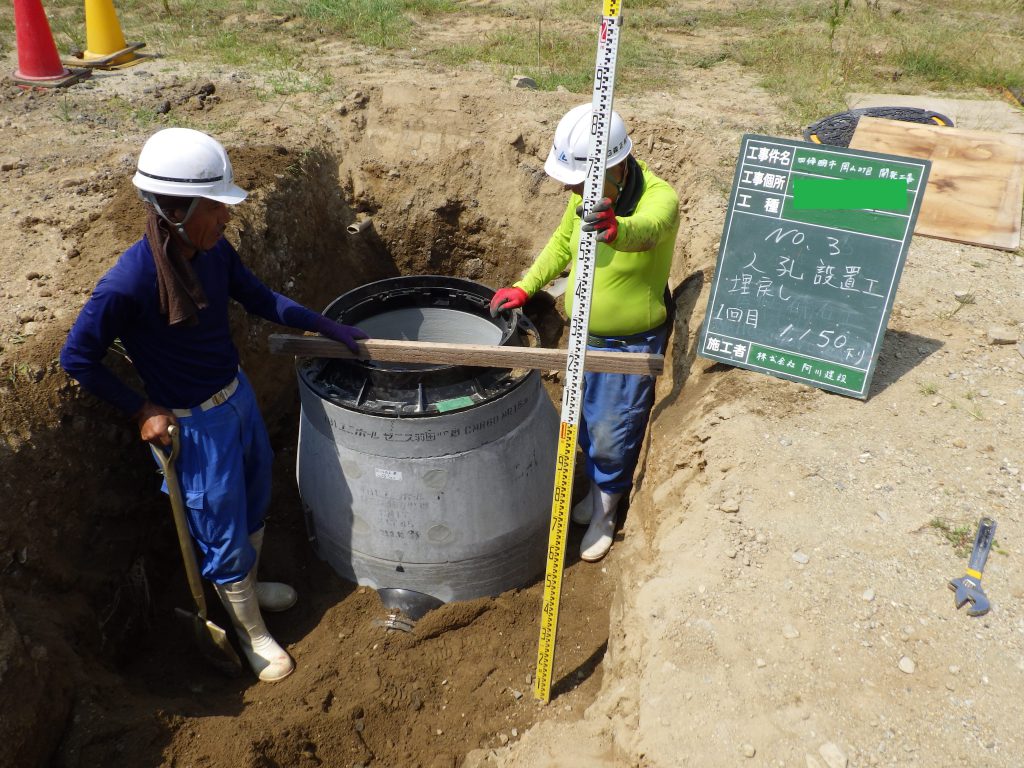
(631, 272)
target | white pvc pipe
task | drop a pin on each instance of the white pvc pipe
(359, 225)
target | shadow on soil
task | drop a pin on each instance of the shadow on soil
(901, 353)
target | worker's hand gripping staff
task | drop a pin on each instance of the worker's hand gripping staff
(601, 220)
(508, 298)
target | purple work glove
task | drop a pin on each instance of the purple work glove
(508, 298)
(346, 334)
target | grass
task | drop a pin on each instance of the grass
(555, 55)
(813, 53)
(17, 372)
(64, 110)
(69, 26)
(962, 300)
(972, 408)
(959, 536)
(286, 83)
(199, 30)
(378, 23)
(708, 60)
(636, 14)
(809, 53)
(123, 110)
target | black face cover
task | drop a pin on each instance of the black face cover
(632, 190)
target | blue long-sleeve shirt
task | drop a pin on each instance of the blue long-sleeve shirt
(180, 366)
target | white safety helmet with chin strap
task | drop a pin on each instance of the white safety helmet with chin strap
(567, 160)
(181, 162)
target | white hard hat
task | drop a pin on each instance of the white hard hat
(567, 160)
(186, 163)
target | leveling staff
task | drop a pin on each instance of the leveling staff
(166, 298)
(637, 221)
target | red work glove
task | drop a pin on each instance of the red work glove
(601, 220)
(508, 298)
(346, 334)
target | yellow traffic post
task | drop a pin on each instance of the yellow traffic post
(105, 46)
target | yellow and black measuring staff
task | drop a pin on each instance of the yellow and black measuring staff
(586, 257)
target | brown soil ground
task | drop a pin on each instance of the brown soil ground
(678, 649)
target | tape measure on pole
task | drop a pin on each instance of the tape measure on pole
(572, 393)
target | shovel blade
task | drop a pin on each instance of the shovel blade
(212, 642)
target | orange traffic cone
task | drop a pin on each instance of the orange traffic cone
(38, 62)
(105, 47)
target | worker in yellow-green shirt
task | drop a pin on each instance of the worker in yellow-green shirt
(637, 221)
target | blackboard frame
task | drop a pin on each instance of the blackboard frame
(768, 316)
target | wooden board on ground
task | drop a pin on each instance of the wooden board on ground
(976, 183)
(970, 114)
(480, 355)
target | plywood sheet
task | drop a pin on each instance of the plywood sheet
(972, 114)
(976, 182)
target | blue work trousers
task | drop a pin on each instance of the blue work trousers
(616, 407)
(224, 468)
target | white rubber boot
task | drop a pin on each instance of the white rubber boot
(273, 595)
(583, 512)
(268, 659)
(598, 538)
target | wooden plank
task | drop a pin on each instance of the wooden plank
(976, 182)
(968, 114)
(482, 355)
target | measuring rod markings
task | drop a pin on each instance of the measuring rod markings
(586, 256)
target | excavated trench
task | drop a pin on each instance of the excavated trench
(110, 678)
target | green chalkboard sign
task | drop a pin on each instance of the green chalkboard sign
(802, 291)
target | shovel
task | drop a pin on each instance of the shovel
(211, 639)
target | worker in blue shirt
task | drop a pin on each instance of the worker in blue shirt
(166, 299)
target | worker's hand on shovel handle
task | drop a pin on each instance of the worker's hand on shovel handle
(153, 421)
